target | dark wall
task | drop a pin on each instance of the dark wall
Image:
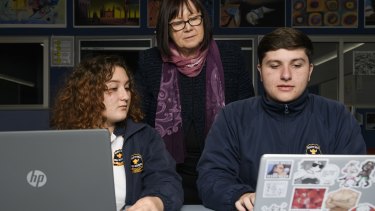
(214, 10)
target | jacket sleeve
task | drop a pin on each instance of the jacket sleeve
(218, 182)
(160, 177)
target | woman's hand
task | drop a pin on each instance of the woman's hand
(246, 202)
(148, 203)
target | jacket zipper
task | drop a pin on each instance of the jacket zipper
(286, 109)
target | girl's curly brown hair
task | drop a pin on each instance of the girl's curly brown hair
(79, 103)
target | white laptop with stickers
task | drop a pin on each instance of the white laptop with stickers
(316, 182)
(59, 170)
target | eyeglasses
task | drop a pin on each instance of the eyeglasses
(317, 164)
(180, 25)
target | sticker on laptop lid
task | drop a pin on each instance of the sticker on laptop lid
(282, 207)
(307, 198)
(309, 172)
(342, 199)
(363, 207)
(350, 172)
(278, 169)
(275, 189)
(316, 172)
(365, 177)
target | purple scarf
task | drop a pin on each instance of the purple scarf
(168, 121)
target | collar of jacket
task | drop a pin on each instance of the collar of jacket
(127, 128)
(289, 109)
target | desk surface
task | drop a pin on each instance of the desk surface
(194, 208)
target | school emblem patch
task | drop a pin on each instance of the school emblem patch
(118, 158)
(136, 163)
(313, 149)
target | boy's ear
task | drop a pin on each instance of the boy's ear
(260, 71)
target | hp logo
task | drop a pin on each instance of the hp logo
(36, 178)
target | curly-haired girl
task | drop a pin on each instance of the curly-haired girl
(99, 93)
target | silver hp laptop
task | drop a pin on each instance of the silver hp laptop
(56, 170)
(316, 182)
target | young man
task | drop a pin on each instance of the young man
(286, 120)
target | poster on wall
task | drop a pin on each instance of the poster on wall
(248, 13)
(153, 7)
(32, 13)
(364, 62)
(110, 13)
(369, 11)
(62, 51)
(325, 13)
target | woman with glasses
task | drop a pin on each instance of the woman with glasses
(186, 80)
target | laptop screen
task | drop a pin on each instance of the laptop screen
(316, 182)
(56, 170)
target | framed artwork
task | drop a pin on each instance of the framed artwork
(109, 13)
(62, 51)
(369, 11)
(153, 7)
(32, 13)
(24, 74)
(370, 121)
(364, 62)
(325, 13)
(245, 13)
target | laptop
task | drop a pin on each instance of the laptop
(56, 170)
(316, 182)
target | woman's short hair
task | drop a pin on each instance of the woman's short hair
(170, 9)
